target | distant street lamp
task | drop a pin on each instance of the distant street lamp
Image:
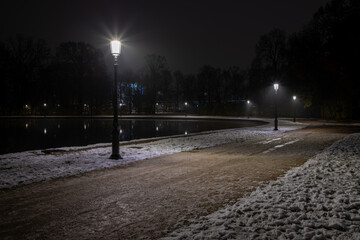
(186, 108)
(276, 88)
(248, 107)
(115, 47)
(45, 109)
(294, 98)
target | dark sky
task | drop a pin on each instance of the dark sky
(188, 33)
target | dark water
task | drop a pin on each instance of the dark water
(29, 134)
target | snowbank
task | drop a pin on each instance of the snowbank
(318, 200)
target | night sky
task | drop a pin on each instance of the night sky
(188, 33)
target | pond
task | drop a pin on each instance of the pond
(30, 134)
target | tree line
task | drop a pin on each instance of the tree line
(317, 64)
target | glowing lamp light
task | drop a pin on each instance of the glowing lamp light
(294, 98)
(185, 103)
(115, 47)
(276, 87)
(248, 101)
(45, 104)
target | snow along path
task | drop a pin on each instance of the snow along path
(39, 165)
(318, 200)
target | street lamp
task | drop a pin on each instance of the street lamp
(248, 106)
(294, 98)
(45, 109)
(186, 108)
(115, 47)
(276, 88)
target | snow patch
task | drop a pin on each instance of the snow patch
(39, 165)
(318, 200)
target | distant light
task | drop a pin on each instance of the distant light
(45, 105)
(45, 131)
(26, 125)
(185, 103)
(84, 126)
(186, 133)
(294, 97)
(115, 47)
(84, 105)
(157, 128)
(276, 87)
(248, 101)
(157, 104)
(120, 130)
(58, 125)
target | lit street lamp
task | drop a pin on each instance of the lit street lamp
(276, 88)
(115, 47)
(294, 98)
(45, 109)
(186, 108)
(248, 106)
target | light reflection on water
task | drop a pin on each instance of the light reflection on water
(29, 134)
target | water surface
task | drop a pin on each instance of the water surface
(30, 134)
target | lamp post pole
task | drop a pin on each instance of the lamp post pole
(276, 88)
(294, 98)
(115, 50)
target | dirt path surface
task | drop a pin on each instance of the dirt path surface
(148, 199)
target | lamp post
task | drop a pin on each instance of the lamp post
(276, 88)
(186, 108)
(248, 107)
(294, 98)
(115, 47)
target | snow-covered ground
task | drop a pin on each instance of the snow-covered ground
(318, 200)
(34, 166)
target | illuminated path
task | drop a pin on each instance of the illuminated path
(153, 197)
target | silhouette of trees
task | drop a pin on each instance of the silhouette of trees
(319, 63)
(323, 60)
(22, 63)
(81, 77)
(270, 59)
(156, 79)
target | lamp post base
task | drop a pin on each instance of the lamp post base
(116, 156)
(276, 125)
